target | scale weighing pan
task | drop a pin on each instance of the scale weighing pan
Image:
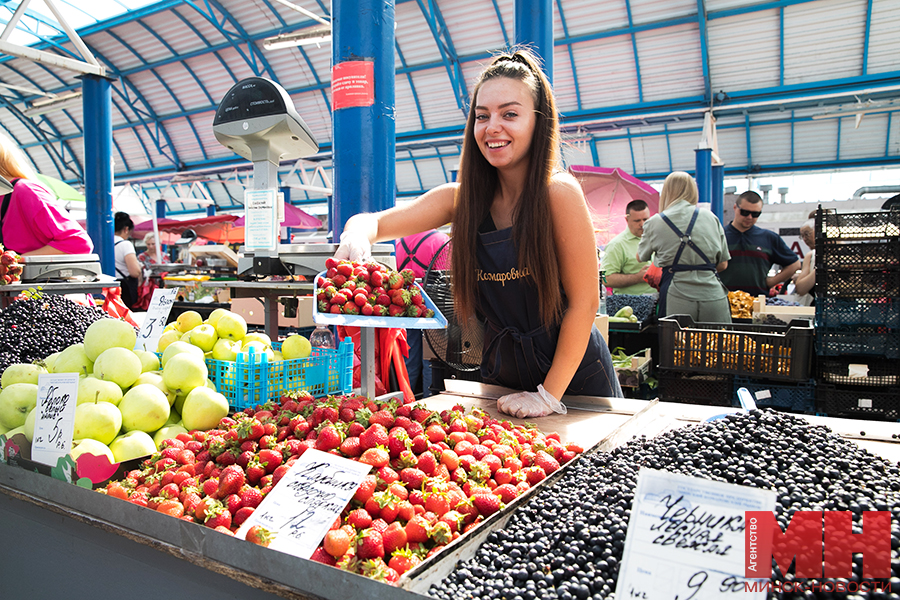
(60, 267)
(438, 321)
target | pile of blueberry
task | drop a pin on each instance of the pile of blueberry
(643, 305)
(566, 543)
(34, 328)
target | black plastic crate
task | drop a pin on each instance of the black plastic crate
(796, 397)
(875, 254)
(838, 313)
(858, 403)
(881, 283)
(864, 371)
(781, 352)
(833, 226)
(685, 388)
(866, 340)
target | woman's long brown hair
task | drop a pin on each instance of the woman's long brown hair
(532, 222)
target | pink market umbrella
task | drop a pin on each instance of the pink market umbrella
(293, 217)
(608, 191)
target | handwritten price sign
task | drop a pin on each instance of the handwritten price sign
(157, 314)
(307, 500)
(685, 538)
(55, 420)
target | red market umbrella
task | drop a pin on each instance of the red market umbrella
(608, 191)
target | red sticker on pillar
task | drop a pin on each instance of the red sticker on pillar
(353, 84)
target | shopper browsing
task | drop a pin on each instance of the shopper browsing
(30, 221)
(755, 250)
(805, 278)
(128, 269)
(535, 286)
(624, 272)
(689, 245)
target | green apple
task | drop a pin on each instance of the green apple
(21, 373)
(174, 418)
(28, 427)
(184, 372)
(256, 337)
(144, 408)
(133, 444)
(99, 421)
(213, 317)
(179, 403)
(176, 348)
(73, 360)
(167, 432)
(16, 430)
(91, 388)
(204, 337)
(91, 446)
(16, 401)
(226, 350)
(203, 409)
(149, 361)
(119, 365)
(155, 378)
(48, 362)
(278, 355)
(173, 326)
(188, 320)
(231, 326)
(108, 333)
(172, 335)
(296, 346)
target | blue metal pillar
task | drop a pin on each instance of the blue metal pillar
(703, 175)
(98, 172)
(534, 27)
(718, 192)
(364, 136)
(160, 209)
(211, 210)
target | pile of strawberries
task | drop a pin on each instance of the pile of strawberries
(352, 288)
(10, 269)
(434, 476)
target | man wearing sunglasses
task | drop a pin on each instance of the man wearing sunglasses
(754, 250)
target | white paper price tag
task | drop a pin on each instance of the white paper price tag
(307, 500)
(686, 539)
(260, 220)
(157, 314)
(55, 417)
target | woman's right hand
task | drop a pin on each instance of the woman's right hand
(354, 247)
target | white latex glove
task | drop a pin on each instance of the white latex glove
(354, 247)
(530, 404)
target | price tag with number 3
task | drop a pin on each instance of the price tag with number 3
(685, 539)
(155, 320)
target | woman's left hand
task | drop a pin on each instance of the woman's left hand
(530, 404)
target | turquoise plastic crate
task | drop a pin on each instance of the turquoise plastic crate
(252, 379)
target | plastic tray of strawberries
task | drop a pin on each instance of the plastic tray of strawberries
(438, 321)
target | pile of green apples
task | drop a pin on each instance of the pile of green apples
(129, 400)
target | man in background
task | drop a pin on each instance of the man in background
(623, 271)
(755, 250)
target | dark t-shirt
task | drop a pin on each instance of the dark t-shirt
(753, 252)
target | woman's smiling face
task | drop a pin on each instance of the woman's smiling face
(504, 122)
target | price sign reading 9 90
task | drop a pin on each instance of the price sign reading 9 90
(155, 320)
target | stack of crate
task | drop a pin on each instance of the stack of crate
(858, 314)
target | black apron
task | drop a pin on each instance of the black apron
(668, 273)
(518, 346)
(129, 285)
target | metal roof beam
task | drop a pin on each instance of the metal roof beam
(445, 45)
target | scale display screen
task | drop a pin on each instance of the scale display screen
(253, 97)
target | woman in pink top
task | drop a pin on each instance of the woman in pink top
(30, 221)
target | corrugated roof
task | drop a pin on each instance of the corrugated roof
(632, 77)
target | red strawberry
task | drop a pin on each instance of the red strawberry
(418, 530)
(426, 462)
(387, 476)
(394, 280)
(344, 268)
(319, 555)
(328, 439)
(365, 489)
(375, 435)
(394, 537)
(351, 447)
(370, 544)
(250, 497)
(336, 542)
(367, 310)
(435, 433)
(403, 560)
(255, 471)
(384, 417)
(377, 457)
(487, 504)
(217, 516)
(546, 462)
(259, 535)
(506, 492)
(413, 478)
(534, 474)
(359, 518)
(419, 444)
(270, 459)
